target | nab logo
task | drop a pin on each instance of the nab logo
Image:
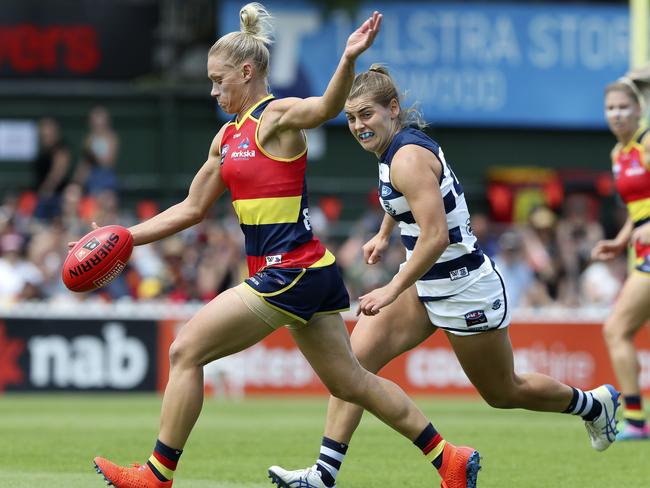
(113, 360)
(87, 248)
(10, 351)
(244, 144)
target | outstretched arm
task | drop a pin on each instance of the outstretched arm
(206, 187)
(297, 113)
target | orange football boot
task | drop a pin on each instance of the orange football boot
(460, 466)
(135, 476)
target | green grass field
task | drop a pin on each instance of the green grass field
(49, 441)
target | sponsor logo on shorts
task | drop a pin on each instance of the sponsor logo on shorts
(459, 273)
(496, 305)
(475, 317)
(271, 260)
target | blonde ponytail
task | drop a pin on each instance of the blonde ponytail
(256, 21)
(251, 41)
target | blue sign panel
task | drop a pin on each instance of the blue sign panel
(465, 64)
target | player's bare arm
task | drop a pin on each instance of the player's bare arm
(206, 187)
(425, 200)
(297, 113)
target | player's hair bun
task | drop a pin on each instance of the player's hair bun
(379, 68)
(256, 21)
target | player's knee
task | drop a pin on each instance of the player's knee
(613, 332)
(180, 354)
(369, 355)
(365, 358)
(345, 392)
(348, 389)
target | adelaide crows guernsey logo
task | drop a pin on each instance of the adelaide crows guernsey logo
(224, 152)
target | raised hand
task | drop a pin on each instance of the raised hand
(362, 38)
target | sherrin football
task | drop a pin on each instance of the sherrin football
(97, 258)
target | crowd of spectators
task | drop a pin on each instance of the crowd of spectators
(545, 261)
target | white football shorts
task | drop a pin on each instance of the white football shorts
(480, 307)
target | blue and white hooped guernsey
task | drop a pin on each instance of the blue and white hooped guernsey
(463, 262)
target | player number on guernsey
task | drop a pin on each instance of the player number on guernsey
(306, 221)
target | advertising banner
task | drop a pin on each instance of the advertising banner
(76, 39)
(133, 355)
(574, 353)
(76, 355)
(502, 64)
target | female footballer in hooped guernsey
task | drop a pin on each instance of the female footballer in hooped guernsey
(624, 110)
(260, 156)
(447, 282)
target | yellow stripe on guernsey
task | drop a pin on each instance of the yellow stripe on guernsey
(639, 209)
(327, 259)
(259, 211)
(435, 452)
(162, 469)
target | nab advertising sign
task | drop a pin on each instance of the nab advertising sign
(69, 355)
(537, 65)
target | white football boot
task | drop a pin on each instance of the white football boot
(300, 478)
(602, 430)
